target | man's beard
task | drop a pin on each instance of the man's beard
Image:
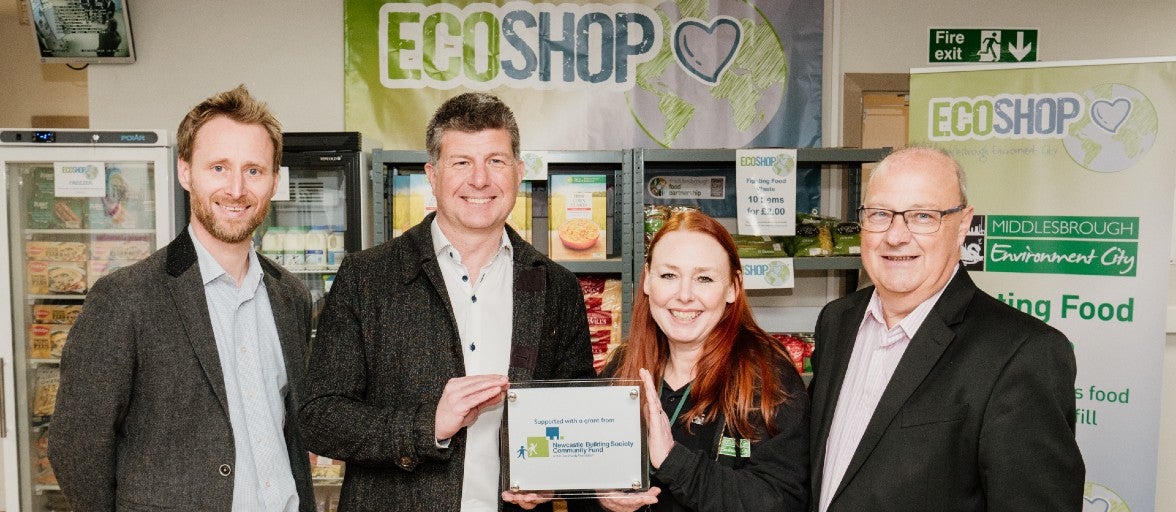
(203, 211)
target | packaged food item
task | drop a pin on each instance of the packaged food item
(325, 467)
(847, 239)
(520, 215)
(56, 313)
(655, 218)
(126, 249)
(97, 269)
(47, 211)
(315, 248)
(45, 382)
(294, 248)
(796, 348)
(56, 277)
(47, 340)
(807, 241)
(336, 248)
(579, 210)
(126, 204)
(39, 250)
(602, 299)
(273, 244)
(42, 471)
(412, 200)
(761, 246)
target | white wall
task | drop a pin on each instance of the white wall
(290, 54)
(29, 87)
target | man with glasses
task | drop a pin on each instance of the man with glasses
(420, 336)
(927, 393)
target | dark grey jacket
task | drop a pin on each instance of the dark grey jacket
(978, 416)
(142, 420)
(386, 345)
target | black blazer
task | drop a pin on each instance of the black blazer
(979, 414)
(387, 343)
(142, 420)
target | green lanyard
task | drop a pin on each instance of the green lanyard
(685, 395)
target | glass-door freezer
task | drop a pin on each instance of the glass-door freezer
(80, 204)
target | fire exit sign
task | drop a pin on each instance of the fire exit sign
(982, 45)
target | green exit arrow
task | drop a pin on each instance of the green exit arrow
(982, 45)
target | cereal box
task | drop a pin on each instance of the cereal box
(579, 205)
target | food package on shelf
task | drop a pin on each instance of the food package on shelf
(847, 239)
(56, 313)
(41, 250)
(45, 382)
(602, 299)
(325, 467)
(47, 340)
(578, 215)
(799, 347)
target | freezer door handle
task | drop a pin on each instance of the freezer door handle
(3, 408)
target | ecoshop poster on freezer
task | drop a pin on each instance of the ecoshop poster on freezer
(591, 75)
(1072, 183)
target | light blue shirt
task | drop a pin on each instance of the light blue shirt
(255, 381)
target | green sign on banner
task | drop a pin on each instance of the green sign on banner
(982, 45)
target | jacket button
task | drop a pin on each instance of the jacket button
(226, 470)
(405, 462)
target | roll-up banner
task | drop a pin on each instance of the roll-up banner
(1073, 194)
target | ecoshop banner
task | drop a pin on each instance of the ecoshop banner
(586, 75)
(1073, 197)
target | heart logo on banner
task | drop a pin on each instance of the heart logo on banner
(1095, 505)
(704, 50)
(1110, 115)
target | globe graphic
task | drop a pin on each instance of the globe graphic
(1118, 129)
(677, 109)
(1096, 498)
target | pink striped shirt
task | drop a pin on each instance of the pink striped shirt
(876, 353)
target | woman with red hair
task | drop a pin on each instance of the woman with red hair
(728, 430)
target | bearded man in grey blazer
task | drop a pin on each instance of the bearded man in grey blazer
(179, 380)
(420, 336)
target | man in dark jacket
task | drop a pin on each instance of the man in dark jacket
(420, 336)
(179, 380)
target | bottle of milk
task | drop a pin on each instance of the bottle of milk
(272, 244)
(316, 248)
(335, 249)
(294, 248)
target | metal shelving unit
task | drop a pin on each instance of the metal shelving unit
(669, 160)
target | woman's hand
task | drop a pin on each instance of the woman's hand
(527, 501)
(660, 438)
(629, 501)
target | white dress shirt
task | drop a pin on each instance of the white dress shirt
(483, 308)
(255, 381)
(876, 353)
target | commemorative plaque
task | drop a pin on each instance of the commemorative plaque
(575, 438)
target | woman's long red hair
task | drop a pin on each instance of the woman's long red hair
(738, 371)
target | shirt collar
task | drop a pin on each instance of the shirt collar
(441, 245)
(211, 270)
(911, 323)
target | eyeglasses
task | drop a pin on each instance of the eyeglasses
(494, 163)
(923, 222)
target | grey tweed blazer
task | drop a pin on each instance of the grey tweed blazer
(386, 345)
(142, 421)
